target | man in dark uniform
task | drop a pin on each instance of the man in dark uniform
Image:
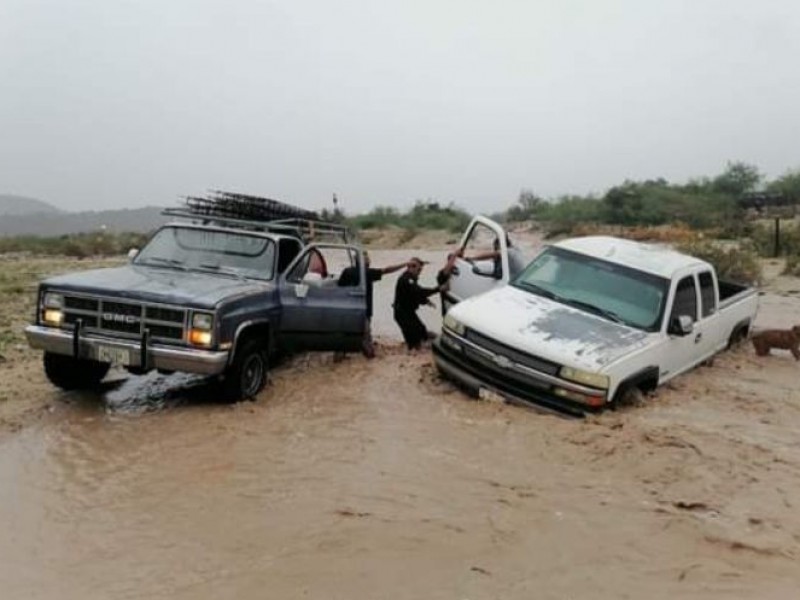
(350, 277)
(445, 273)
(408, 297)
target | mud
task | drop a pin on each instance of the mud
(375, 479)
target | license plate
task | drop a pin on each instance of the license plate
(490, 395)
(115, 356)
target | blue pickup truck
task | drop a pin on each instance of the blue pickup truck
(210, 293)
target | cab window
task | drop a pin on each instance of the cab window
(322, 265)
(707, 296)
(685, 303)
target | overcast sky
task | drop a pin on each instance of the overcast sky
(110, 104)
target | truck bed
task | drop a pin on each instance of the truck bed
(730, 292)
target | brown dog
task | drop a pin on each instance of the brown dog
(785, 339)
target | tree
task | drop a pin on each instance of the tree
(737, 179)
(788, 184)
(527, 207)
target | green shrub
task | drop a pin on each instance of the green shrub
(792, 265)
(763, 237)
(79, 245)
(733, 262)
(422, 216)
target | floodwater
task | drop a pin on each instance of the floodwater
(373, 479)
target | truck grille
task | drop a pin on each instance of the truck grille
(126, 319)
(529, 360)
(496, 360)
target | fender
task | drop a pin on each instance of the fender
(243, 327)
(739, 332)
(648, 375)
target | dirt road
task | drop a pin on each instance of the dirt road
(374, 479)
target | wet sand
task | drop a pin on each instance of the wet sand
(375, 479)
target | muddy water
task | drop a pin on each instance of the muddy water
(372, 479)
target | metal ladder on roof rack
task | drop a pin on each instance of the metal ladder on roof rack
(259, 214)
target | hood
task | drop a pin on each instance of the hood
(152, 284)
(545, 328)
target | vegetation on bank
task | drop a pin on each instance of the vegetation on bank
(684, 214)
(701, 203)
(79, 245)
(424, 215)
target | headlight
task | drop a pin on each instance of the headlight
(202, 321)
(453, 324)
(53, 300)
(200, 333)
(595, 380)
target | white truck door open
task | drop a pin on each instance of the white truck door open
(487, 241)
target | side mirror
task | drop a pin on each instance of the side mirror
(483, 271)
(132, 253)
(682, 325)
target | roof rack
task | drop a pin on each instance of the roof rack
(259, 214)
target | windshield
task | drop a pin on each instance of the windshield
(611, 291)
(230, 253)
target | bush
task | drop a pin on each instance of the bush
(422, 216)
(792, 266)
(763, 237)
(79, 245)
(733, 262)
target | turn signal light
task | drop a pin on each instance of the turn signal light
(53, 317)
(200, 338)
(578, 397)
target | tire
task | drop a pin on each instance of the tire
(247, 375)
(70, 373)
(738, 336)
(627, 397)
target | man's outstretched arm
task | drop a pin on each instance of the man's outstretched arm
(393, 268)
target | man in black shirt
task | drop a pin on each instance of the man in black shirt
(444, 275)
(350, 277)
(408, 297)
(446, 272)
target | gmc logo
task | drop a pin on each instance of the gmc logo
(128, 319)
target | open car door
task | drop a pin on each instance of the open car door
(320, 312)
(485, 263)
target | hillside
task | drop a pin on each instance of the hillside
(11, 204)
(60, 223)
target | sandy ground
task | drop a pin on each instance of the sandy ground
(375, 479)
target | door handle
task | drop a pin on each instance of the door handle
(697, 338)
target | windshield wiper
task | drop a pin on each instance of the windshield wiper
(539, 290)
(158, 260)
(221, 269)
(603, 312)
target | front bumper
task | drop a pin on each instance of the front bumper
(474, 377)
(141, 354)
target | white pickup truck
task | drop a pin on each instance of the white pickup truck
(587, 322)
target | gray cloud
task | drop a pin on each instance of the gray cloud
(110, 104)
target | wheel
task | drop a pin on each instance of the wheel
(247, 375)
(70, 373)
(628, 396)
(738, 336)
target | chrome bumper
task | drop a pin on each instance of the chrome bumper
(158, 356)
(453, 365)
